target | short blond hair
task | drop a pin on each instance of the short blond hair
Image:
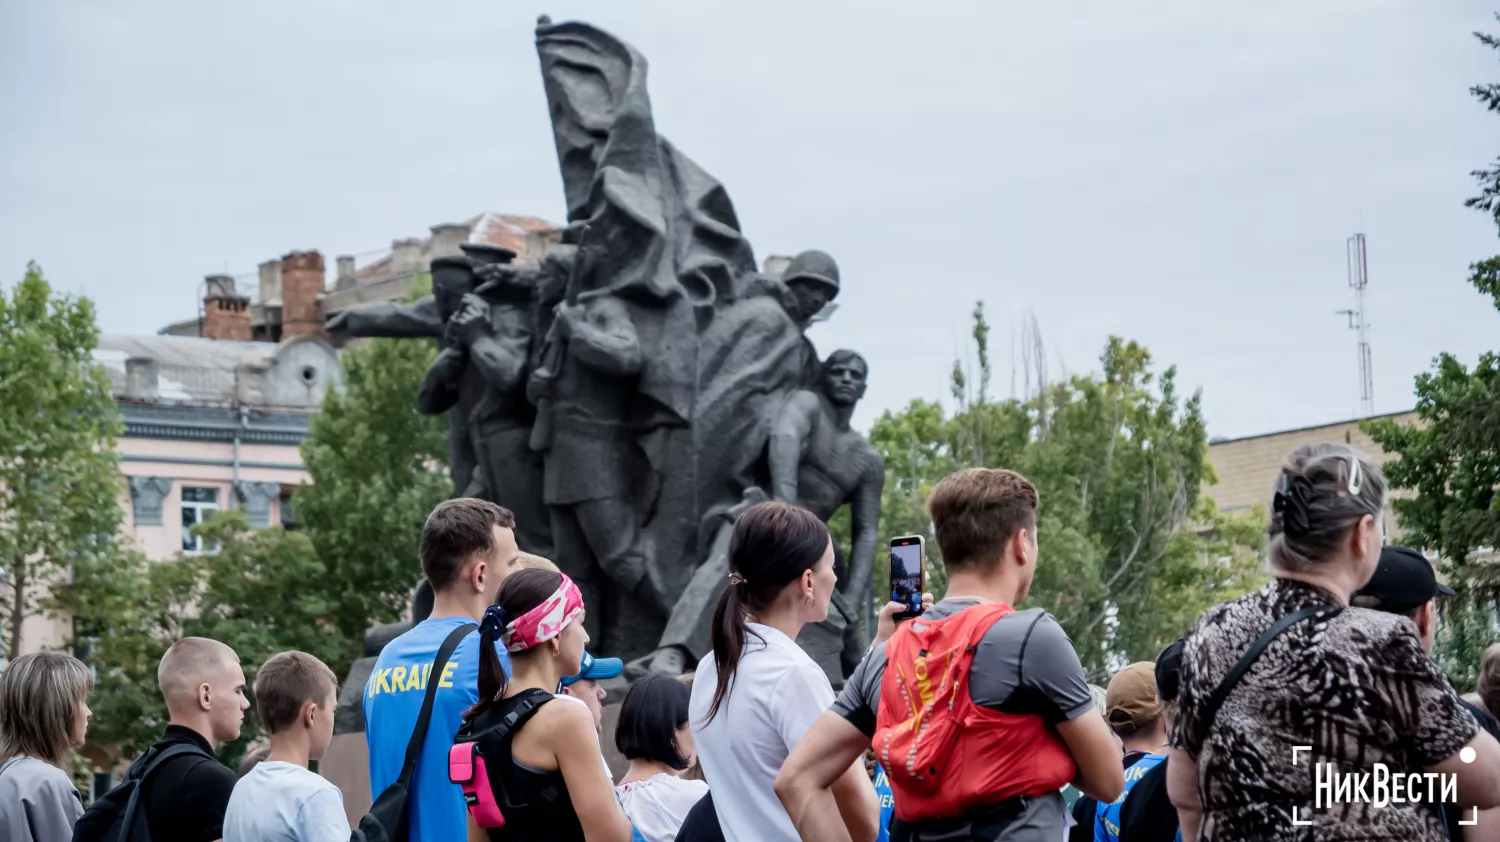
(39, 698)
(536, 562)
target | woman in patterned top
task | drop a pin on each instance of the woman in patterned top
(1354, 685)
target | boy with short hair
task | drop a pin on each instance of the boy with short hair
(280, 800)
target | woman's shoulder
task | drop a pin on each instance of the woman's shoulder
(32, 774)
(1375, 634)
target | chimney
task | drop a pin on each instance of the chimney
(226, 315)
(270, 281)
(446, 239)
(301, 285)
(406, 256)
(345, 277)
(140, 378)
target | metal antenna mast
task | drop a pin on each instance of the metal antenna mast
(1359, 280)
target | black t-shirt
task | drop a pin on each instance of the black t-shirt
(186, 797)
(702, 823)
(1147, 814)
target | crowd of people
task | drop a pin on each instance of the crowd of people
(975, 719)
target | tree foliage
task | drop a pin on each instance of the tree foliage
(59, 483)
(1448, 460)
(377, 467)
(1130, 551)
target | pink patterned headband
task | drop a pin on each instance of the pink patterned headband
(541, 623)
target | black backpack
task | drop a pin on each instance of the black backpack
(119, 815)
(386, 821)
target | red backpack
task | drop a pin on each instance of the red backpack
(945, 755)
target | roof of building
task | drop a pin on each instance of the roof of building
(499, 229)
(292, 374)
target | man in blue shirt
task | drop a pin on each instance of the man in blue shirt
(468, 546)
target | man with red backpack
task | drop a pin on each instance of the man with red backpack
(979, 713)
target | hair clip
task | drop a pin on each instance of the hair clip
(737, 579)
(1356, 476)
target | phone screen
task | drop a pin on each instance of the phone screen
(906, 575)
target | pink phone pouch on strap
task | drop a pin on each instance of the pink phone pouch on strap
(466, 768)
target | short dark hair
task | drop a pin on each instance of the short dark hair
(455, 532)
(288, 681)
(654, 710)
(976, 511)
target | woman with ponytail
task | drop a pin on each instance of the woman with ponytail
(541, 761)
(757, 692)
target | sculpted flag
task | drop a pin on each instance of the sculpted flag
(721, 354)
(663, 235)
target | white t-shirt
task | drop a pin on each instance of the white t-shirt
(776, 694)
(658, 805)
(284, 802)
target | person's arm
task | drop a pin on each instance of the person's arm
(571, 728)
(417, 320)
(603, 336)
(885, 621)
(1478, 781)
(321, 817)
(477, 833)
(1182, 789)
(818, 766)
(1050, 667)
(790, 431)
(1432, 722)
(864, 511)
(1089, 740)
(437, 393)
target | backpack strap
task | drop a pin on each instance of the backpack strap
(1237, 672)
(133, 807)
(419, 734)
(505, 732)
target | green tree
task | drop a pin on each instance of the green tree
(377, 467)
(135, 609)
(59, 482)
(1131, 552)
(1448, 461)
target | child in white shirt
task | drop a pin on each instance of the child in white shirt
(279, 800)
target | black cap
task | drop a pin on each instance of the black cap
(486, 253)
(1403, 582)
(1169, 670)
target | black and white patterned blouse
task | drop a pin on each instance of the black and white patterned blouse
(1357, 688)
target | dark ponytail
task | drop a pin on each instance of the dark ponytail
(772, 545)
(521, 591)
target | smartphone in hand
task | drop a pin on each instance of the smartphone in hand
(908, 574)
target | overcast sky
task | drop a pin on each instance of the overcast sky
(1181, 173)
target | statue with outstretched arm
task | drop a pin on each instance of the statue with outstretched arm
(418, 320)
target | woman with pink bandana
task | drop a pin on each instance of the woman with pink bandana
(540, 760)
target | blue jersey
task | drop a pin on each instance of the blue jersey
(393, 699)
(887, 803)
(1107, 816)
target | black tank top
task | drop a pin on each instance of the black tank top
(534, 802)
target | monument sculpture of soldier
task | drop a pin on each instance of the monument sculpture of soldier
(819, 461)
(594, 470)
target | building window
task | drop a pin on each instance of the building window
(198, 504)
(288, 517)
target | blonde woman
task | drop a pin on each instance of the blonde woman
(44, 715)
